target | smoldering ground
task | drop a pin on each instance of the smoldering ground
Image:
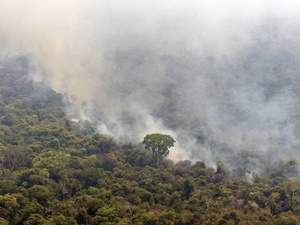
(220, 76)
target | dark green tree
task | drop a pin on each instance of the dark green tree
(158, 144)
(189, 187)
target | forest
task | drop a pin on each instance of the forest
(56, 170)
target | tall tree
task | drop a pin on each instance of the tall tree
(158, 144)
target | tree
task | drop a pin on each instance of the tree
(189, 187)
(159, 144)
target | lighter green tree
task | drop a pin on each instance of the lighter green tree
(158, 144)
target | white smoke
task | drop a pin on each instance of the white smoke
(192, 69)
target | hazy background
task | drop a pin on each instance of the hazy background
(222, 77)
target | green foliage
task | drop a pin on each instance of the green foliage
(158, 144)
(3, 221)
(57, 171)
(188, 188)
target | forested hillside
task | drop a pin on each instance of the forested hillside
(54, 170)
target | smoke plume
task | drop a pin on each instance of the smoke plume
(220, 76)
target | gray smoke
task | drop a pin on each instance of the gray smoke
(220, 76)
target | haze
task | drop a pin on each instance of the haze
(220, 76)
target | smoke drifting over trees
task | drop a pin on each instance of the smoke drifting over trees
(220, 77)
